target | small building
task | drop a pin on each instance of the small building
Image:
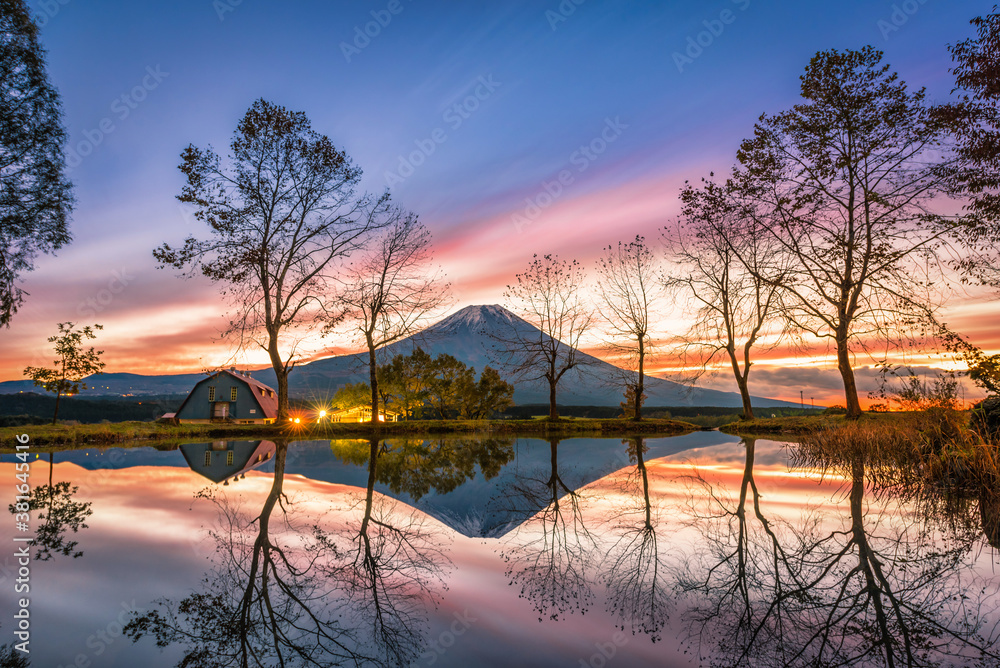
(229, 396)
(224, 460)
(362, 414)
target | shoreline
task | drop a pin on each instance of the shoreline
(151, 432)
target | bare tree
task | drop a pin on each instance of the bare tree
(854, 188)
(281, 212)
(547, 295)
(391, 292)
(628, 289)
(725, 273)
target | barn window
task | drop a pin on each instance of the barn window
(208, 458)
(229, 458)
(232, 394)
(211, 394)
(262, 391)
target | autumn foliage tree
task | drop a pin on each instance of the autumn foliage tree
(283, 209)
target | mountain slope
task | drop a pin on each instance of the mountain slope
(472, 335)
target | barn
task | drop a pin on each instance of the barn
(222, 461)
(229, 396)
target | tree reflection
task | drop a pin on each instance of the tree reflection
(890, 584)
(58, 512)
(550, 553)
(395, 563)
(741, 577)
(419, 466)
(292, 589)
(638, 580)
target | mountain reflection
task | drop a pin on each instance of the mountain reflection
(551, 553)
(889, 584)
(352, 585)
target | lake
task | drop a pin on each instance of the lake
(701, 549)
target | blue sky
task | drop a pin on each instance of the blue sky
(558, 75)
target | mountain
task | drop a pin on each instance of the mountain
(471, 335)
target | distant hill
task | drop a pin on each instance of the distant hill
(471, 335)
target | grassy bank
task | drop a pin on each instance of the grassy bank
(126, 432)
(800, 425)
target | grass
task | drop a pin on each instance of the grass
(799, 425)
(151, 432)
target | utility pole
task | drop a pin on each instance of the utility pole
(802, 401)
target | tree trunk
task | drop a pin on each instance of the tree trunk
(741, 382)
(553, 412)
(640, 386)
(373, 380)
(281, 374)
(847, 373)
(56, 414)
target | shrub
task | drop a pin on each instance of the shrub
(985, 417)
(835, 410)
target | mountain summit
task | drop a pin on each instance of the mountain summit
(471, 335)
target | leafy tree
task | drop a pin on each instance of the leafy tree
(352, 395)
(851, 185)
(490, 395)
(628, 401)
(975, 118)
(36, 198)
(73, 363)
(283, 210)
(405, 381)
(390, 293)
(547, 295)
(629, 290)
(449, 379)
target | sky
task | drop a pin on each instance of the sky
(468, 112)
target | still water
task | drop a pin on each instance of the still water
(691, 550)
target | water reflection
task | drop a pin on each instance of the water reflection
(58, 511)
(635, 570)
(551, 552)
(342, 553)
(416, 467)
(887, 585)
(294, 588)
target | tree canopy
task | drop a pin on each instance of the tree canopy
(36, 197)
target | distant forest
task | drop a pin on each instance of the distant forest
(31, 408)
